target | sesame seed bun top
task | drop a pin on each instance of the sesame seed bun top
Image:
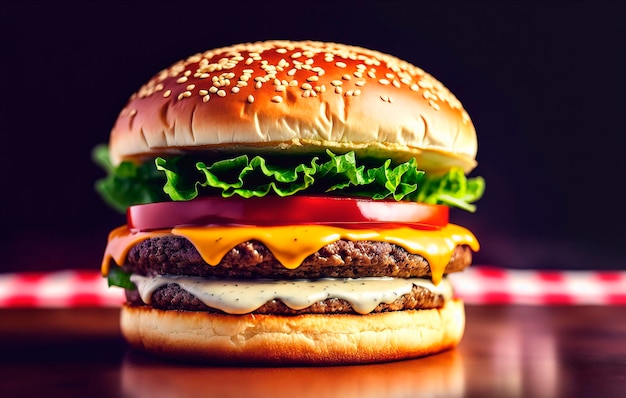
(297, 96)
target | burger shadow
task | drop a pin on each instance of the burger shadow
(442, 374)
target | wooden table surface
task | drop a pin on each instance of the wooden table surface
(508, 351)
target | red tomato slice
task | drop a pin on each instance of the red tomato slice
(341, 211)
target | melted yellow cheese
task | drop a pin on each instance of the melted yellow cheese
(292, 244)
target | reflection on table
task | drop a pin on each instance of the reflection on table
(508, 351)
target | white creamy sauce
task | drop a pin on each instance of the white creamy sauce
(244, 296)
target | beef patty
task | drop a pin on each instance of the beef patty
(175, 255)
(172, 297)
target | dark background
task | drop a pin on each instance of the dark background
(542, 81)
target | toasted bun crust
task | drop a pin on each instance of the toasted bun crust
(300, 96)
(306, 339)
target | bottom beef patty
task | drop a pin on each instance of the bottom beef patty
(172, 297)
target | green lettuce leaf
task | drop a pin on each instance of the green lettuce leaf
(452, 189)
(256, 177)
(129, 183)
(118, 277)
(183, 178)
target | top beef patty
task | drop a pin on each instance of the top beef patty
(175, 255)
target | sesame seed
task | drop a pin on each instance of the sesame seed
(213, 89)
(434, 105)
(277, 99)
(346, 77)
(180, 96)
(312, 78)
(204, 75)
(293, 83)
(306, 86)
(371, 74)
(424, 84)
(203, 92)
(248, 71)
(280, 88)
(296, 55)
(358, 74)
(396, 83)
(329, 59)
(187, 94)
(414, 87)
(340, 64)
(187, 73)
(249, 61)
(133, 113)
(234, 90)
(167, 93)
(221, 93)
(258, 85)
(206, 98)
(306, 93)
(360, 83)
(389, 75)
(336, 83)
(191, 87)
(349, 93)
(383, 81)
(357, 92)
(182, 79)
(244, 78)
(338, 90)
(281, 50)
(250, 98)
(292, 72)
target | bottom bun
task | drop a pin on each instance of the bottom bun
(290, 340)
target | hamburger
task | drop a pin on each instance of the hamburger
(288, 203)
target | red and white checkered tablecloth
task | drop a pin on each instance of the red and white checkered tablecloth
(491, 285)
(58, 289)
(476, 285)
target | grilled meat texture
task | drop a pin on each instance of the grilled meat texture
(175, 255)
(172, 297)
